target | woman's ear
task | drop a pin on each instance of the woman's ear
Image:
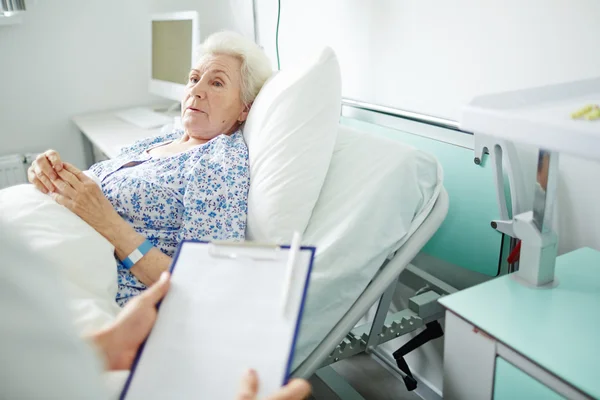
(244, 114)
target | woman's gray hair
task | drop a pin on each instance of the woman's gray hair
(256, 67)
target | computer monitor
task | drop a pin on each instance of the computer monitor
(174, 39)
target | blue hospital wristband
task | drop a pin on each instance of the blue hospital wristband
(137, 254)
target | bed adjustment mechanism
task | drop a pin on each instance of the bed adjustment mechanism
(433, 330)
(423, 311)
(425, 305)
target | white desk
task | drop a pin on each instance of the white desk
(109, 134)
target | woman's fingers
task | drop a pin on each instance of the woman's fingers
(54, 159)
(32, 178)
(39, 186)
(42, 165)
(40, 181)
(71, 179)
(74, 170)
(65, 188)
(45, 166)
(78, 173)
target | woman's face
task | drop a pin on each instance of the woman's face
(212, 104)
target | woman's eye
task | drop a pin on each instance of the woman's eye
(218, 84)
(193, 79)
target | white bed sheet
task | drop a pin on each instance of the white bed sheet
(377, 193)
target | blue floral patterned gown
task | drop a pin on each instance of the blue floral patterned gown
(198, 194)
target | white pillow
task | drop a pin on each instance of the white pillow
(290, 133)
(84, 258)
(377, 193)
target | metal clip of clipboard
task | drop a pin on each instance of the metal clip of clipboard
(253, 250)
(265, 252)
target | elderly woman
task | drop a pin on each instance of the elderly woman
(187, 184)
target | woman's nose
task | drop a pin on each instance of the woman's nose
(198, 90)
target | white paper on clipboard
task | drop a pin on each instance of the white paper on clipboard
(222, 315)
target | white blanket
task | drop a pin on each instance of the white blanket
(82, 256)
(376, 194)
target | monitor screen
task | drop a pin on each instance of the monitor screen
(172, 50)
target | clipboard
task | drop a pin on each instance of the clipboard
(231, 306)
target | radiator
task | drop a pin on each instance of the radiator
(13, 169)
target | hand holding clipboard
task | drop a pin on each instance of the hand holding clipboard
(231, 306)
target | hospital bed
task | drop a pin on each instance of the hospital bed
(380, 203)
(329, 332)
(473, 189)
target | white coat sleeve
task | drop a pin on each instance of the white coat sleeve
(41, 355)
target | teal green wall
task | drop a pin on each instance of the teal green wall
(466, 237)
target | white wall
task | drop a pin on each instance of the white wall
(69, 57)
(579, 195)
(433, 57)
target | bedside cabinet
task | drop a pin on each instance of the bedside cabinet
(504, 340)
